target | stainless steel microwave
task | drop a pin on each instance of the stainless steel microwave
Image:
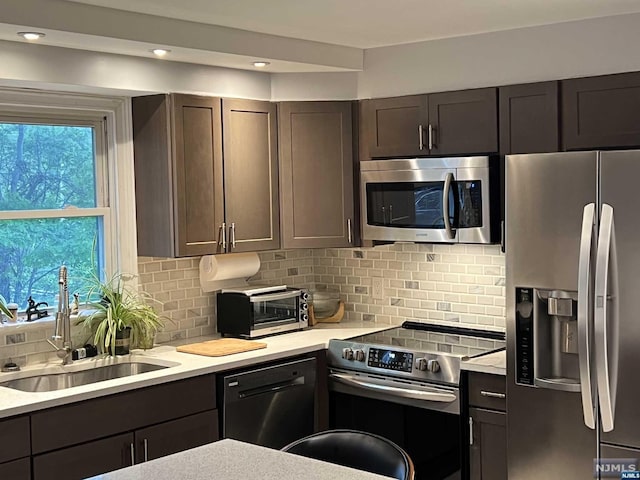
(258, 311)
(433, 200)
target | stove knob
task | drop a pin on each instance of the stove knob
(347, 353)
(421, 364)
(433, 366)
(359, 355)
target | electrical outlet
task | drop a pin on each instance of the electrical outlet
(377, 290)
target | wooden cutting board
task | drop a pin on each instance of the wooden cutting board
(221, 347)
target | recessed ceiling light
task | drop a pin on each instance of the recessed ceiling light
(160, 52)
(260, 64)
(31, 35)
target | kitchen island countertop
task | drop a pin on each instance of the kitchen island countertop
(232, 460)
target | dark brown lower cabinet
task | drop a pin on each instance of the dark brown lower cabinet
(85, 460)
(488, 450)
(176, 436)
(119, 451)
(16, 470)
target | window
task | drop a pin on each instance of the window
(66, 180)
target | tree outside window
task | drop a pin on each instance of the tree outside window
(53, 206)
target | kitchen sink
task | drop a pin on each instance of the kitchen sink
(57, 381)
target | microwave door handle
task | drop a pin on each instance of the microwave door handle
(585, 318)
(445, 205)
(606, 318)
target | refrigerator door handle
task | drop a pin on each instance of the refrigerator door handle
(585, 315)
(606, 318)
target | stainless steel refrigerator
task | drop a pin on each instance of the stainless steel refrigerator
(573, 314)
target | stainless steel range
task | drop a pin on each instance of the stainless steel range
(404, 383)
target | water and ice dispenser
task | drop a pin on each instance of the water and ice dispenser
(547, 339)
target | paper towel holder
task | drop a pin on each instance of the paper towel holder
(227, 270)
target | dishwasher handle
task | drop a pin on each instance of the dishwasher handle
(272, 388)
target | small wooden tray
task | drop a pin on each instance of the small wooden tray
(221, 347)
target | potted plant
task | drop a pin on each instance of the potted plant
(3, 307)
(119, 316)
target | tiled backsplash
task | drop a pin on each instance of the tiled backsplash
(462, 284)
(434, 283)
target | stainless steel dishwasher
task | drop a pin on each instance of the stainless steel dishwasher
(270, 406)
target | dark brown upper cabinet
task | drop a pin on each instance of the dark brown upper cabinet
(529, 120)
(177, 142)
(448, 123)
(192, 199)
(463, 122)
(316, 174)
(252, 213)
(396, 126)
(601, 112)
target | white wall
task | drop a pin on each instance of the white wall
(588, 47)
(314, 86)
(62, 68)
(573, 49)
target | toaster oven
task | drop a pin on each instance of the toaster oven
(257, 311)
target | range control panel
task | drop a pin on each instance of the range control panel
(524, 336)
(390, 359)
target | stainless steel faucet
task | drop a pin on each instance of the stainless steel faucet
(62, 329)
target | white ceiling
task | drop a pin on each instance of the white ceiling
(374, 23)
(223, 32)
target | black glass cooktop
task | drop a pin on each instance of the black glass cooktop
(426, 337)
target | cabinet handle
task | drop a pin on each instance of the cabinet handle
(470, 430)
(421, 137)
(432, 137)
(146, 450)
(222, 238)
(232, 236)
(349, 231)
(492, 394)
(133, 453)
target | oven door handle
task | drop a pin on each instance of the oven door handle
(431, 394)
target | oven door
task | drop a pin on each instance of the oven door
(421, 418)
(425, 201)
(276, 312)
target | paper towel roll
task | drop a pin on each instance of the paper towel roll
(227, 270)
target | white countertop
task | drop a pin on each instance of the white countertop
(232, 460)
(182, 365)
(495, 363)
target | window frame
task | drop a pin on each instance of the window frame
(112, 118)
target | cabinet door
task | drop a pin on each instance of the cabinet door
(463, 122)
(395, 126)
(16, 470)
(529, 120)
(601, 112)
(176, 436)
(198, 182)
(251, 175)
(316, 165)
(488, 449)
(86, 460)
(15, 439)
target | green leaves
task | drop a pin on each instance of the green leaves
(114, 306)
